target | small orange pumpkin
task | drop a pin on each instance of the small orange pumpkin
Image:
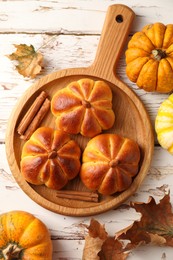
(149, 58)
(23, 236)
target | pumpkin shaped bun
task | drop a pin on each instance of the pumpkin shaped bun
(50, 157)
(83, 106)
(23, 236)
(149, 58)
(109, 163)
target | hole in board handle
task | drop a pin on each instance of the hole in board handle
(119, 18)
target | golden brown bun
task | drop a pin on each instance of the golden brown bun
(84, 106)
(50, 157)
(109, 163)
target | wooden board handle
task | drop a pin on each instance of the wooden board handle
(114, 34)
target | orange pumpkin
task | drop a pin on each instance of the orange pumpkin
(23, 237)
(149, 58)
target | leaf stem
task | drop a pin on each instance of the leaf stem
(45, 44)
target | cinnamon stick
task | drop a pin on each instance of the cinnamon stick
(36, 120)
(27, 119)
(78, 195)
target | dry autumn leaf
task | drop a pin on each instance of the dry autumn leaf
(112, 249)
(94, 240)
(155, 225)
(29, 61)
(98, 246)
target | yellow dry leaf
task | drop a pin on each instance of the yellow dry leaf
(92, 247)
(94, 240)
(29, 61)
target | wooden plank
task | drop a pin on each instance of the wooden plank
(59, 52)
(72, 250)
(29, 16)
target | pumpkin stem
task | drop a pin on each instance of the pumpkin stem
(12, 252)
(158, 54)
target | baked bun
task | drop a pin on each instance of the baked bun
(84, 106)
(109, 162)
(50, 157)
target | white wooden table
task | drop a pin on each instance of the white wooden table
(67, 33)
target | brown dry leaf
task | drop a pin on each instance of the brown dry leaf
(98, 246)
(155, 225)
(29, 61)
(112, 249)
(97, 230)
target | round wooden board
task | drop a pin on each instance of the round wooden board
(131, 121)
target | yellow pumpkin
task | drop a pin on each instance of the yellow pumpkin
(164, 124)
(23, 237)
(149, 58)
